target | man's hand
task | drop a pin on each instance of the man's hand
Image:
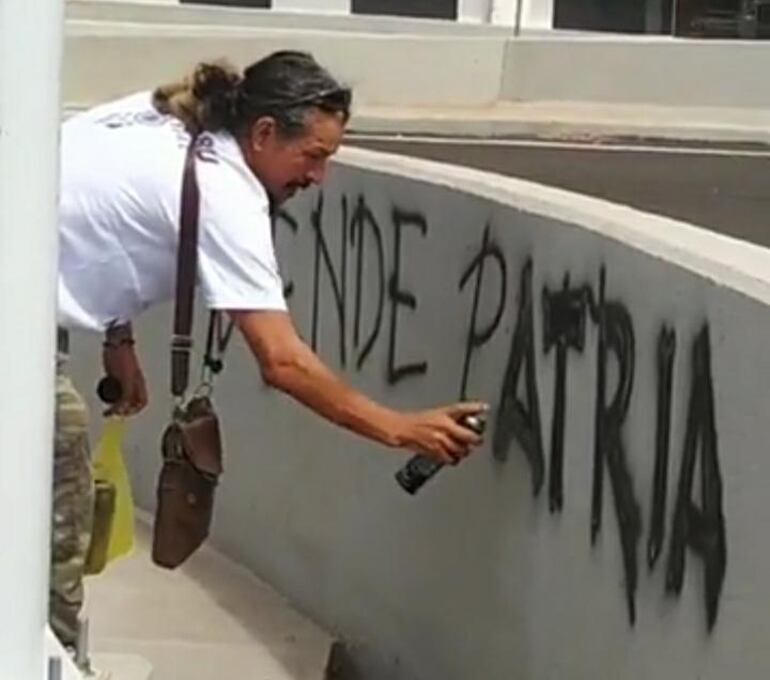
(438, 432)
(120, 362)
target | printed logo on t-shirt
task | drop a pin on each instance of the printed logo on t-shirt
(121, 119)
(205, 147)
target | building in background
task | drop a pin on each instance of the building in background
(695, 18)
(687, 18)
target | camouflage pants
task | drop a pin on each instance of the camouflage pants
(72, 507)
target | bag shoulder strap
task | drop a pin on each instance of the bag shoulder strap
(186, 274)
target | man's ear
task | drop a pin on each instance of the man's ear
(261, 131)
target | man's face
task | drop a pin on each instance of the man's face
(284, 165)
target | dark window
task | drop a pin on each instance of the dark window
(688, 18)
(265, 4)
(621, 16)
(434, 9)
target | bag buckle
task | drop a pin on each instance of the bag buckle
(182, 343)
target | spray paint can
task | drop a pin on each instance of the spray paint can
(421, 468)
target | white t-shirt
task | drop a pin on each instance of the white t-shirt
(121, 182)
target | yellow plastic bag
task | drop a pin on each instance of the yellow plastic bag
(109, 468)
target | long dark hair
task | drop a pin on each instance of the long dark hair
(285, 85)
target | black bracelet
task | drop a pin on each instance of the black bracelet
(117, 344)
(118, 335)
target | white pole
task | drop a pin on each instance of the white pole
(674, 16)
(517, 20)
(30, 61)
(503, 12)
(536, 14)
(313, 6)
(522, 14)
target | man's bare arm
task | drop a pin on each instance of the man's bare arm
(288, 364)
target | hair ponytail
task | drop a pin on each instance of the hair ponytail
(207, 100)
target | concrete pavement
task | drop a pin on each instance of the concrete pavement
(570, 120)
(209, 619)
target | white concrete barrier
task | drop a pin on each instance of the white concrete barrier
(117, 47)
(629, 545)
(643, 70)
(105, 60)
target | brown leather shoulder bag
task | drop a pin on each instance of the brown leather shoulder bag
(191, 444)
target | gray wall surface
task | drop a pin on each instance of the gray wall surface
(477, 577)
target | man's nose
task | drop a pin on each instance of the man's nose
(316, 174)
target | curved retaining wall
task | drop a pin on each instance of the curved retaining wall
(630, 545)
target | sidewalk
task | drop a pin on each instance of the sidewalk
(571, 120)
(561, 121)
(210, 620)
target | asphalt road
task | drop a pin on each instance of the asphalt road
(723, 189)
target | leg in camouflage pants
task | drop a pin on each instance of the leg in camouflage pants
(72, 507)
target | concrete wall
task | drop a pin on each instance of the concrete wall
(476, 577)
(647, 70)
(385, 69)
(404, 64)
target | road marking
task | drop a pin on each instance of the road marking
(564, 145)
